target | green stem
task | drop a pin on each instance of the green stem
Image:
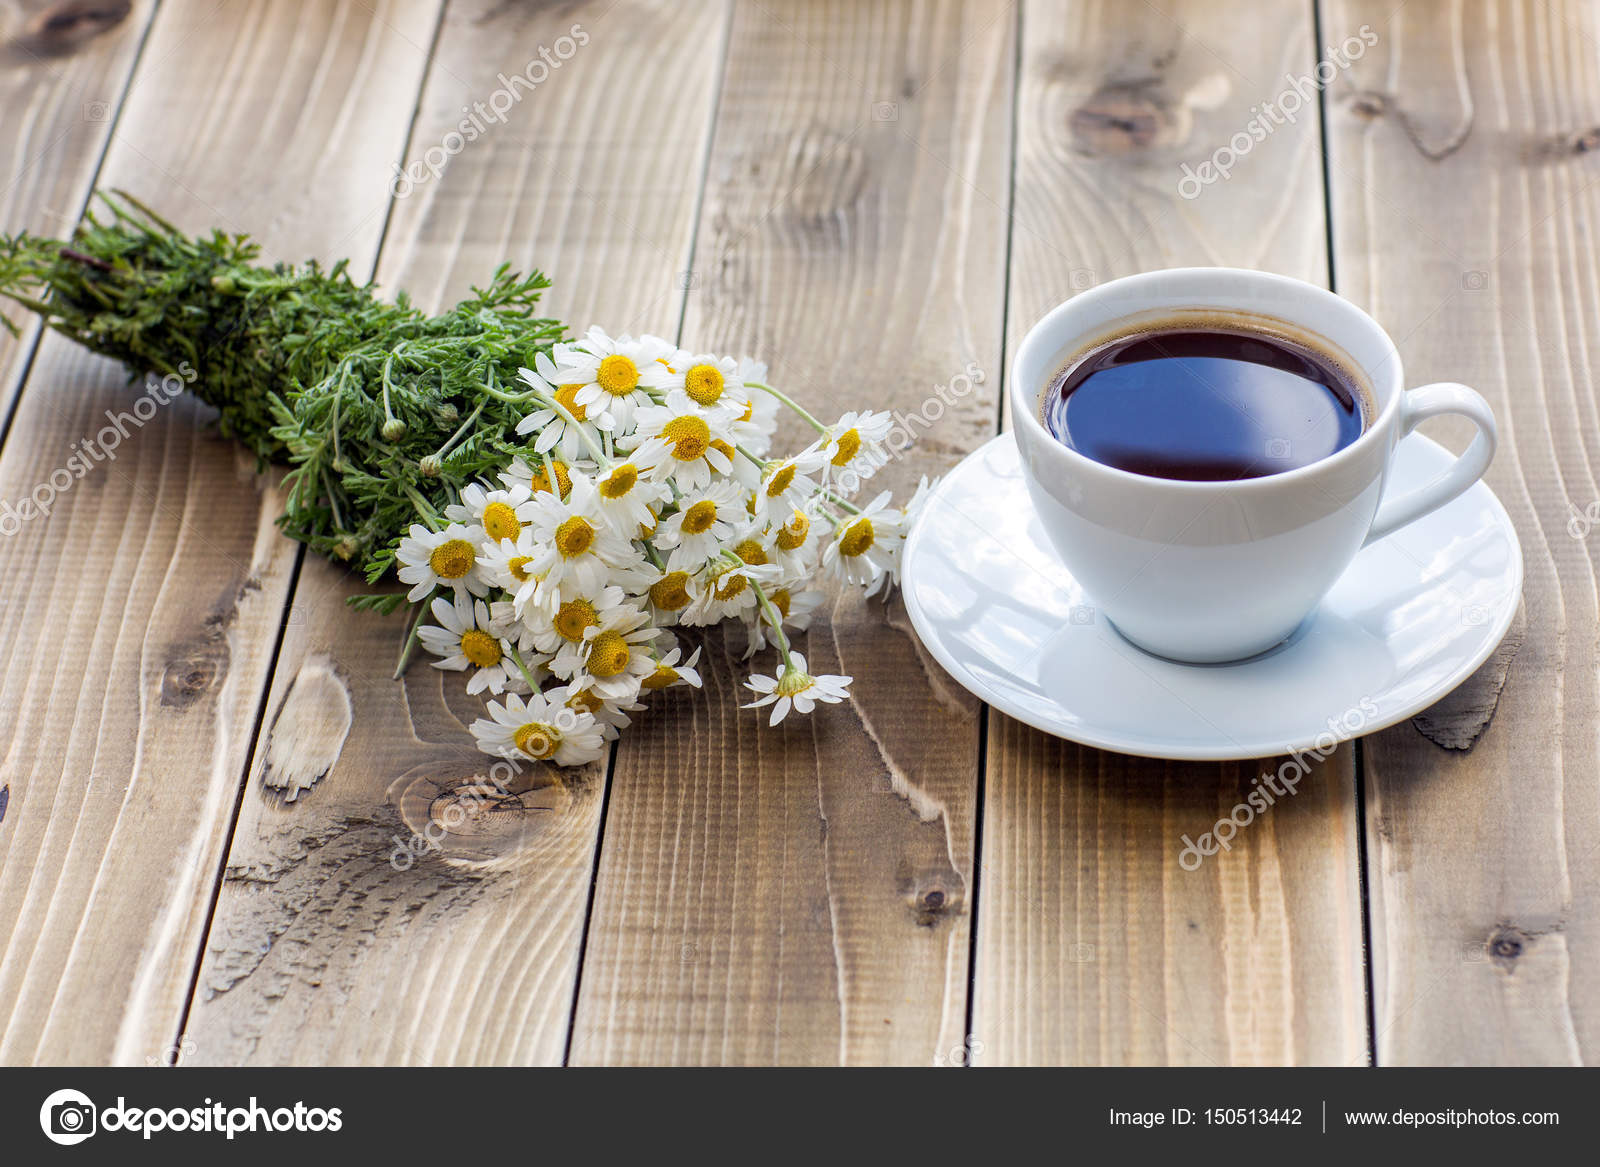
(776, 622)
(791, 403)
(460, 433)
(424, 508)
(523, 669)
(410, 645)
(761, 463)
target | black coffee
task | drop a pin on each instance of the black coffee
(1204, 403)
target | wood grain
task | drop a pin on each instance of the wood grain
(334, 940)
(1095, 945)
(63, 69)
(141, 616)
(1465, 212)
(803, 895)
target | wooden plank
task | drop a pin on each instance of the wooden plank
(141, 616)
(468, 954)
(1094, 945)
(803, 895)
(63, 69)
(1463, 174)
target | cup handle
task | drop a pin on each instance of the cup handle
(1416, 406)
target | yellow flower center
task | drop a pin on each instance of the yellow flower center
(661, 678)
(573, 617)
(847, 447)
(781, 480)
(575, 536)
(792, 535)
(618, 375)
(501, 522)
(537, 739)
(751, 552)
(749, 410)
(452, 559)
(724, 448)
(480, 648)
(697, 519)
(690, 437)
(856, 539)
(608, 654)
(781, 600)
(729, 585)
(517, 565)
(671, 591)
(586, 701)
(703, 383)
(567, 396)
(541, 480)
(620, 481)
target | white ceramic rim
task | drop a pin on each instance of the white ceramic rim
(1230, 753)
(1025, 397)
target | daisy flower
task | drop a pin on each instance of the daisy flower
(854, 443)
(709, 381)
(682, 441)
(535, 727)
(628, 498)
(553, 628)
(797, 687)
(578, 549)
(507, 565)
(465, 635)
(866, 546)
(611, 715)
(501, 513)
(615, 656)
(570, 438)
(704, 520)
(672, 670)
(785, 485)
(609, 374)
(795, 610)
(447, 558)
(724, 590)
(793, 546)
(670, 593)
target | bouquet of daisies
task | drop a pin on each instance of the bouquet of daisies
(556, 507)
(648, 497)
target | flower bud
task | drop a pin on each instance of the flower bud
(394, 429)
(430, 466)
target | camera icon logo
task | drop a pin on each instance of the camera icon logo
(1278, 448)
(67, 1117)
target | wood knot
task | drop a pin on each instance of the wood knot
(1368, 104)
(1506, 945)
(1585, 141)
(1119, 119)
(62, 27)
(188, 678)
(932, 904)
(480, 820)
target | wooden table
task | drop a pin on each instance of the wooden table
(871, 196)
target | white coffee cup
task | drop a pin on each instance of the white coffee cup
(1218, 571)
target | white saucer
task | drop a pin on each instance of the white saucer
(1410, 619)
